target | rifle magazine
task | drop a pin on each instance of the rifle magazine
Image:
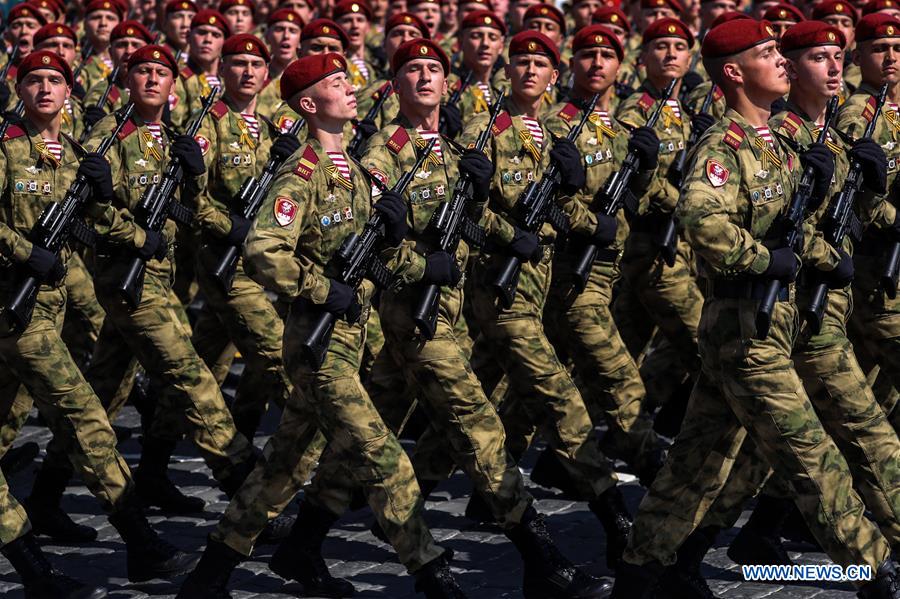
(379, 273)
(474, 234)
(180, 213)
(83, 234)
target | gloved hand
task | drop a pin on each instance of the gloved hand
(524, 245)
(366, 127)
(95, 169)
(690, 80)
(186, 149)
(284, 146)
(820, 158)
(45, 265)
(441, 269)
(645, 142)
(92, 115)
(451, 120)
(341, 301)
(871, 157)
(240, 227)
(155, 246)
(783, 265)
(605, 233)
(480, 169)
(843, 273)
(392, 207)
(701, 121)
(567, 158)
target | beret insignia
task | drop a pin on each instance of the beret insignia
(45, 59)
(671, 29)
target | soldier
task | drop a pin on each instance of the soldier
(736, 187)
(100, 17)
(616, 21)
(305, 8)
(208, 32)
(355, 19)
(782, 17)
(52, 11)
(239, 14)
(321, 36)
(283, 38)
(176, 27)
(841, 15)
(39, 164)
(430, 13)
(60, 39)
(289, 251)
(22, 23)
(481, 42)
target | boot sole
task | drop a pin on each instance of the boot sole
(144, 576)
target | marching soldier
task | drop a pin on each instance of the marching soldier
(60, 39)
(841, 15)
(355, 19)
(21, 24)
(100, 17)
(195, 81)
(239, 15)
(481, 38)
(283, 38)
(176, 26)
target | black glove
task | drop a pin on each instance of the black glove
(451, 120)
(186, 149)
(341, 301)
(605, 233)
(820, 158)
(45, 265)
(240, 226)
(392, 207)
(779, 105)
(441, 269)
(783, 265)
(95, 169)
(645, 142)
(480, 169)
(568, 160)
(92, 115)
(524, 245)
(843, 273)
(701, 121)
(366, 127)
(871, 157)
(284, 146)
(690, 80)
(155, 246)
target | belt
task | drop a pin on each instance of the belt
(743, 289)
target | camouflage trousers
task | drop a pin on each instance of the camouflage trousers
(38, 360)
(84, 316)
(246, 316)
(748, 387)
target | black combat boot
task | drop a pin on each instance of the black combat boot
(610, 510)
(637, 582)
(548, 472)
(153, 484)
(683, 580)
(299, 557)
(148, 555)
(209, 580)
(477, 509)
(40, 579)
(759, 541)
(436, 581)
(19, 458)
(548, 573)
(44, 511)
(885, 585)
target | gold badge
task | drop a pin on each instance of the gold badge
(59, 30)
(839, 8)
(106, 5)
(831, 36)
(671, 28)
(407, 19)
(890, 30)
(782, 13)
(487, 20)
(290, 17)
(212, 20)
(613, 18)
(249, 46)
(423, 50)
(156, 54)
(544, 10)
(336, 63)
(45, 59)
(770, 31)
(326, 29)
(354, 7)
(130, 31)
(598, 39)
(532, 46)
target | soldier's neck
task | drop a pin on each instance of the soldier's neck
(243, 104)
(525, 106)
(661, 83)
(755, 111)
(331, 138)
(602, 103)
(149, 114)
(207, 67)
(46, 127)
(813, 106)
(480, 74)
(893, 94)
(423, 118)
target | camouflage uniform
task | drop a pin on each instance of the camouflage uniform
(117, 98)
(473, 99)
(370, 95)
(269, 100)
(95, 72)
(695, 99)
(735, 181)
(191, 88)
(84, 316)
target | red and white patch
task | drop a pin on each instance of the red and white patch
(173, 101)
(285, 210)
(716, 173)
(203, 143)
(381, 177)
(285, 123)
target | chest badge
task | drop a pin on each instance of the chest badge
(285, 211)
(716, 173)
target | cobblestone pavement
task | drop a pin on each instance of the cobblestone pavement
(485, 562)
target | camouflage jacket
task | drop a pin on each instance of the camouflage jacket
(117, 98)
(370, 95)
(191, 88)
(473, 99)
(695, 98)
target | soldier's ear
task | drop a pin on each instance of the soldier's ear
(855, 56)
(731, 71)
(307, 105)
(554, 77)
(790, 69)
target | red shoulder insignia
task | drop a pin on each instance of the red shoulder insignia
(869, 109)
(307, 163)
(14, 131)
(11, 73)
(114, 95)
(387, 88)
(718, 94)
(734, 136)
(569, 112)
(502, 123)
(219, 109)
(791, 123)
(399, 139)
(186, 73)
(127, 129)
(646, 102)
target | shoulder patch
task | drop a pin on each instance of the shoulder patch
(718, 94)
(203, 143)
(284, 123)
(12, 73)
(307, 163)
(127, 129)
(734, 136)
(399, 139)
(186, 73)
(14, 131)
(502, 123)
(285, 210)
(219, 109)
(869, 109)
(114, 95)
(569, 112)
(791, 123)
(716, 173)
(646, 102)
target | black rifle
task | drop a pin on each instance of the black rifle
(353, 148)
(841, 220)
(86, 52)
(534, 207)
(455, 96)
(448, 225)
(157, 205)
(58, 223)
(793, 222)
(101, 103)
(615, 194)
(357, 258)
(250, 199)
(665, 240)
(11, 58)
(16, 114)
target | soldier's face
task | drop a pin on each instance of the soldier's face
(481, 46)
(667, 58)
(178, 26)
(99, 25)
(283, 38)
(301, 8)
(762, 72)
(320, 45)
(43, 92)
(548, 27)
(122, 49)
(759, 9)
(396, 36)
(582, 12)
(357, 27)
(421, 82)
(710, 10)
(621, 34)
(331, 100)
(206, 42)
(379, 9)
(429, 12)
(530, 74)
(594, 69)
(877, 60)
(21, 33)
(243, 75)
(649, 15)
(517, 13)
(780, 27)
(449, 12)
(845, 25)
(816, 71)
(63, 47)
(240, 19)
(150, 84)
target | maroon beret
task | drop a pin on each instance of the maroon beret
(534, 42)
(309, 70)
(597, 36)
(877, 25)
(50, 5)
(668, 27)
(735, 36)
(673, 5)
(731, 15)
(43, 59)
(831, 8)
(131, 29)
(246, 43)
(546, 11)
(108, 5)
(25, 11)
(608, 15)
(406, 18)
(875, 6)
(350, 7)
(226, 4)
(483, 18)
(286, 14)
(153, 53)
(783, 12)
(411, 3)
(325, 28)
(51, 30)
(419, 48)
(213, 18)
(180, 6)
(808, 34)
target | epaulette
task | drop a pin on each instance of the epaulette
(127, 129)
(14, 131)
(791, 123)
(219, 109)
(502, 123)
(399, 139)
(186, 73)
(569, 112)
(646, 102)
(114, 95)
(718, 94)
(11, 73)
(869, 109)
(307, 163)
(734, 136)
